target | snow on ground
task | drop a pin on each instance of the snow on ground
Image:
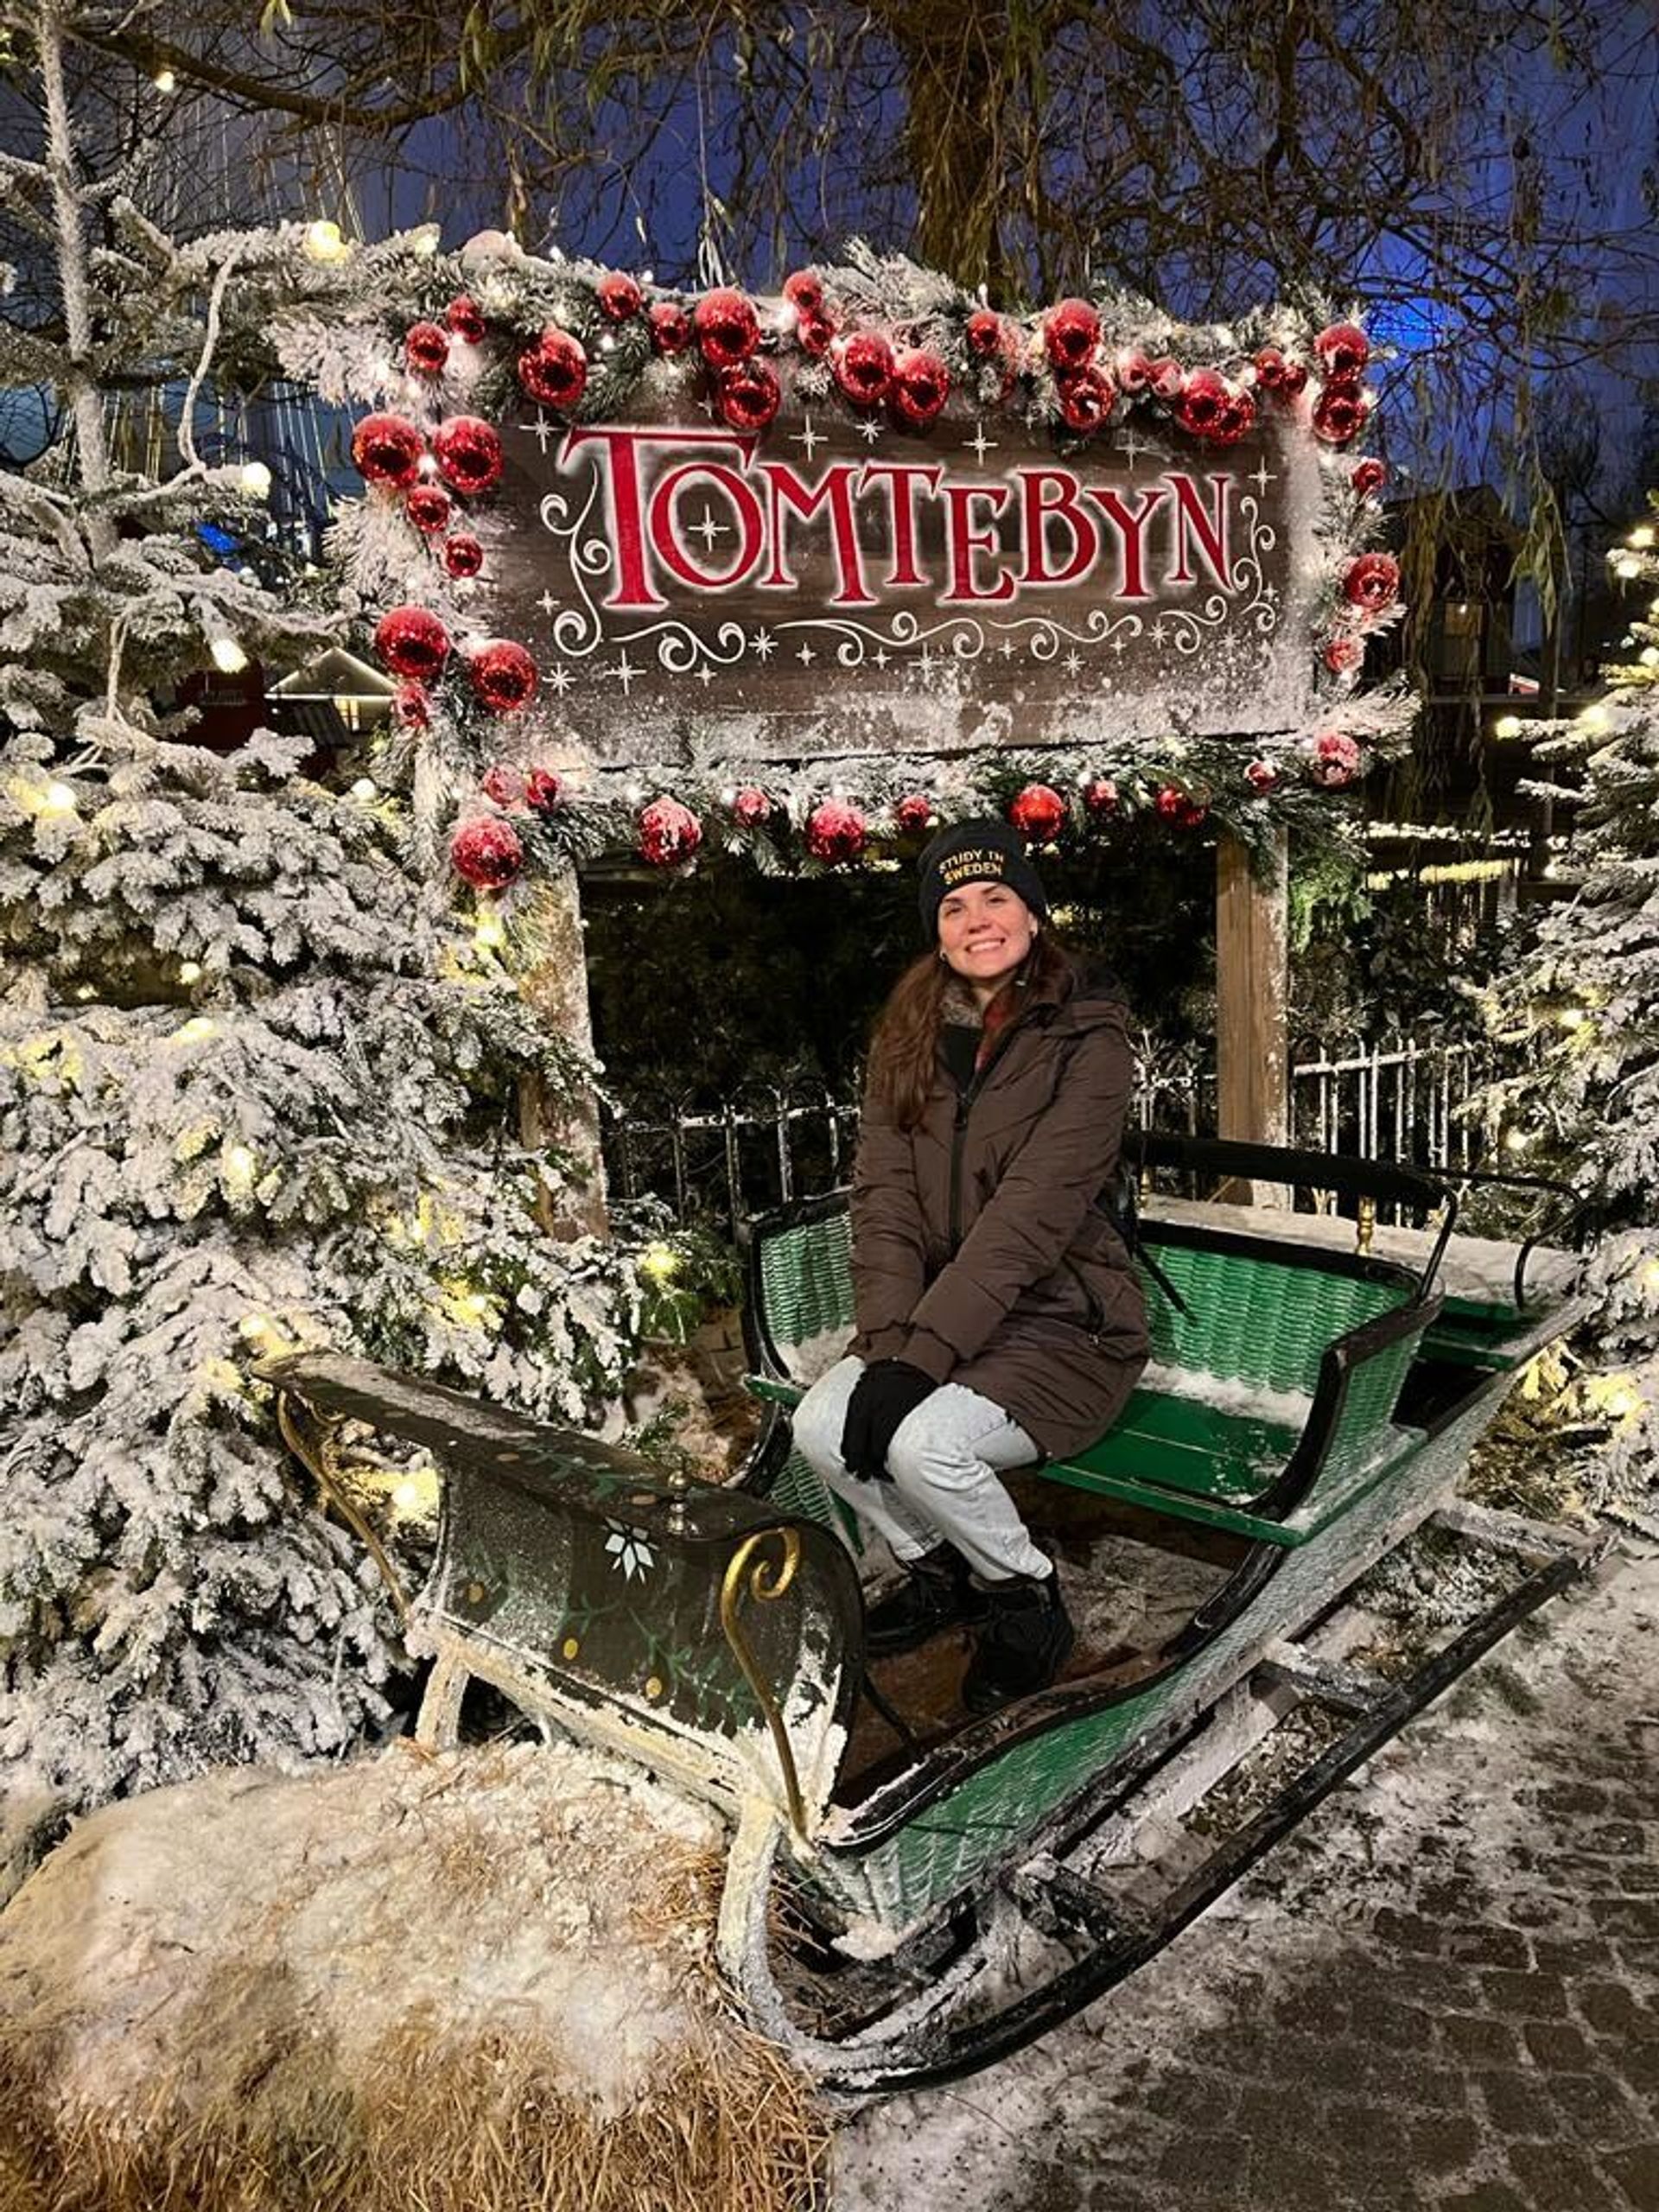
(1460, 1786)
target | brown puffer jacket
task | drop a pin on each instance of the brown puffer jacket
(979, 1254)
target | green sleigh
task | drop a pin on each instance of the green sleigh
(1307, 1407)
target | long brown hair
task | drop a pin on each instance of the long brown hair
(906, 1039)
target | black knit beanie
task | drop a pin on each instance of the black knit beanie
(987, 851)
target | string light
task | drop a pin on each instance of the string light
(58, 799)
(1642, 535)
(189, 971)
(228, 656)
(238, 1168)
(660, 1262)
(1507, 725)
(193, 1031)
(488, 934)
(365, 788)
(1627, 566)
(255, 479)
(165, 81)
(323, 242)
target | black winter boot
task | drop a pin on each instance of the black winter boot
(937, 1592)
(1026, 1639)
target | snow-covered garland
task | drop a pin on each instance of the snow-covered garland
(885, 339)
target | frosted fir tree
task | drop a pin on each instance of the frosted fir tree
(1582, 1011)
(257, 1089)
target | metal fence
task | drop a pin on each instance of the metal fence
(772, 1143)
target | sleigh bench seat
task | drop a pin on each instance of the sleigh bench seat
(1267, 1407)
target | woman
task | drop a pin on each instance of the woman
(999, 1318)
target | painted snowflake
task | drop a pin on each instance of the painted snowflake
(629, 1550)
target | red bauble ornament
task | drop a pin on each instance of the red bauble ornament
(468, 452)
(803, 289)
(466, 318)
(387, 448)
(411, 706)
(1270, 365)
(1179, 807)
(1168, 380)
(504, 785)
(1344, 654)
(1100, 797)
(751, 807)
(1371, 582)
(486, 853)
(921, 385)
(1260, 775)
(1133, 370)
(985, 335)
(1037, 812)
(543, 790)
(748, 396)
(835, 832)
(428, 507)
(1086, 400)
(913, 812)
(1342, 349)
(426, 348)
(1294, 381)
(864, 368)
(1369, 475)
(1071, 334)
(411, 641)
(670, 327)
(668, 833)
(619, 296)
(1206, 404)
(554, 370)
(504, 677)
(1334, 760)
(816, 334)
(462, 554)
(1238, 419)
(1340, 413)
(726, 327)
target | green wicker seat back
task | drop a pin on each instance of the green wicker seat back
(1255, 1320)
(806, 1285)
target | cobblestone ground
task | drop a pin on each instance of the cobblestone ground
(1443, 1992)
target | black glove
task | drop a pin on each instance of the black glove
(884, 1394)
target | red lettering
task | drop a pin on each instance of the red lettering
(901, 478)
(1132, 534)
(1210, 532)
(1040, 511)
(835, 486)
(965, 540)
(623, 505)
(665, 531)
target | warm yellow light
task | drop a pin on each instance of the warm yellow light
(189, 971)
(59, 799)
(1594, 717)
(238, 1163)
(252, 1326)
(1507, 725)
(425, 240)
(255, 479)
(1627, 566)
(228, 656)
(193, 1031)
(165, 81)
(1518, 1140)
(85, 991)
(1650, 1276)
(1642, 534)
(1571, 1017)
(488, 934)
(660, 1262)
(1650, 656)
(417, 1493)
(324, 243)
(365, 788)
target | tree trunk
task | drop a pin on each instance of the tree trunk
(555, 990)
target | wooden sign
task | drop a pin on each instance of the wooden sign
(833, 588)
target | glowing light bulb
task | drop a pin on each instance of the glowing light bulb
(1650, 656)
(323, 242)
(228, 656)
(193, 1031)
(406, 1497)
(424, 241)
(1594, 717)
(1642, 534)
(1507, 725)
(253, 1326)
(165, 81)
(1573, 1017)
(660, 1262)
(239, 1162)
(255, 479)
(1627, 566)
(488, 934)
(1516, 1141)
(189, 971)
(59, 799)
(365, 788)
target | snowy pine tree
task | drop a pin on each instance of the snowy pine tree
(256, 1087)
(1582, 1013)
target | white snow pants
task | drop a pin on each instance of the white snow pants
(943, 1462)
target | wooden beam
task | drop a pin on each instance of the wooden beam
(557, 990)
(1252, 992)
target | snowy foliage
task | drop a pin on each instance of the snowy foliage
(1583, 1011)
(258, 1091)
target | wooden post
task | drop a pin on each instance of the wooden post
(557, 990)
(1252, 975)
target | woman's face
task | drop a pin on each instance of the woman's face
(985, 932)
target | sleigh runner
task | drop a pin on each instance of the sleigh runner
(1307, 1407)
